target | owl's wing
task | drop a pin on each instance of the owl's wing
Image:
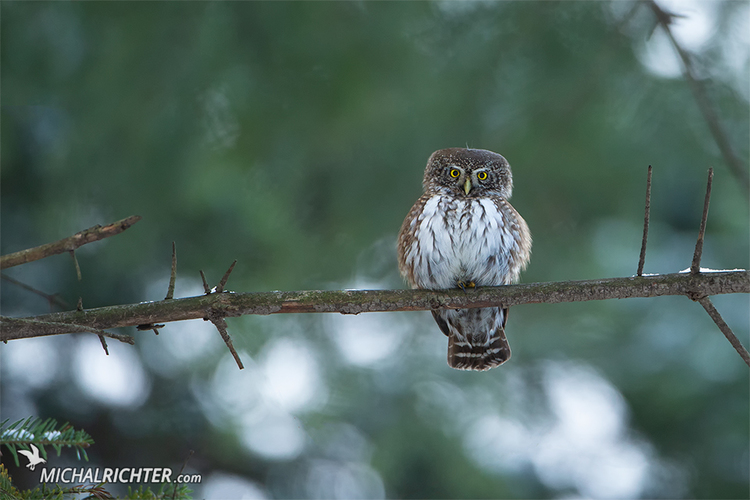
(407, 239)
(440, 320)
(520, 236)
(443, 324)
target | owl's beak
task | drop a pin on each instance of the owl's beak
(467, 186)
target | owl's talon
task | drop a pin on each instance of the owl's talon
(463, 285)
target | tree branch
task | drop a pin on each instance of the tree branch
(734, 163)
(229, 304)
(51, 298)
(68, 244)
(647, 215)
(172, 274)
(53, 327)
(695, 267)
(217, 318)
(728, 333)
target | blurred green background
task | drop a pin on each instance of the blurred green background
(292, 137)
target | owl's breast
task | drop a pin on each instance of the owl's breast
(461, 240)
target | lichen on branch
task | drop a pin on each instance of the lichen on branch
(229, 304)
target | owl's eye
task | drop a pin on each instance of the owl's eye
(455, 172)
(482, 176)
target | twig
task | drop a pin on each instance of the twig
(184, 464)
(53, 328)
(642, 258)
(728, 333)
(699, 92)
(173, 274)
(69, 244)
(695, 268)
(225, 278)
(104, 344)
(150, 326)
(75, 262)
(221, 325)
(52, 299)
(217, 318)
(100, 333)
(360, 301)
(206, 288)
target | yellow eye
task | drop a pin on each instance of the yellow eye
(455, 172)
(482, 176)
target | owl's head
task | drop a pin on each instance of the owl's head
(468, 173)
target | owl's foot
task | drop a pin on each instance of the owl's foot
(463, 285)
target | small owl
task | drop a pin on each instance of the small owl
(462, 233)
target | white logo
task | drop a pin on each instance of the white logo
(33, 456)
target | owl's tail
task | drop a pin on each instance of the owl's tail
(479, 355)
(476, 337)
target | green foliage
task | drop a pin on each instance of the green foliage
(57, 492)
(98, 491)
(6, 485)
(43, 433)
(43, 492)
(165, 491)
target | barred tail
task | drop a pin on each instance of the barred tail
(478, 354)
(476, 337)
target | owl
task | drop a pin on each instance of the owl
(463, 233)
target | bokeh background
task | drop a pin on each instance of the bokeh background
(292, 137)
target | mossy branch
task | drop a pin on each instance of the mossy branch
(229, 304)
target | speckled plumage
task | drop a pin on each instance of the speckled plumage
(463, 230)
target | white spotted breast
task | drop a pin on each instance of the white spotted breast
(464, 240)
